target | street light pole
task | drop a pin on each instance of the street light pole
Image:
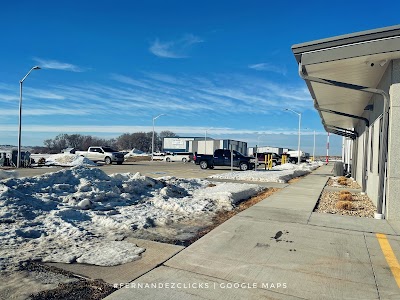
(20, 115)
(313, 152)
(152, 138)
(205, 140)
(298, 145)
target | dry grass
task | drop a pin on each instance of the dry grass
(344, 205)
(342, 180)
(344, 193)
(223, 216)
(349, 183)
(138, 158)
(345, 197)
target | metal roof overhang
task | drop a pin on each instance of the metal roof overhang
(359, 59)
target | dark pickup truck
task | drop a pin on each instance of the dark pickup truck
(222, 157)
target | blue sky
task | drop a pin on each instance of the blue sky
(109, 67)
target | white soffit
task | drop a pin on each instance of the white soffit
(364, 71)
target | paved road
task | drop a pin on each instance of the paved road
(151, 169)
(154, 169)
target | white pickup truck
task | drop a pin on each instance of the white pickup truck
(106, 154)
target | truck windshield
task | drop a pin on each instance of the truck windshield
(108, 149)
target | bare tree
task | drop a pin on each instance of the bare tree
(138, 140)
(75, 140)
(167, 133)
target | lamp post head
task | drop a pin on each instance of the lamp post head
(36, 68)
(158, 116)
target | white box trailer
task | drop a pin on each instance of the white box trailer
(263, 149)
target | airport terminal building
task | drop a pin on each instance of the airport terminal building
(354, 81)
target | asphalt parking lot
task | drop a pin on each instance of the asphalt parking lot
(152, 169)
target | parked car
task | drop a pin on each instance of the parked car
(159, 155)
(276, 158)
(222, 157)
(103, 153)
(179, 156)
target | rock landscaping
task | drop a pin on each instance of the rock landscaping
(343, 182)
(343, 202)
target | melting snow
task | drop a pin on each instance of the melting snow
(7, 174)
(281, 173)
(82, 215)
(68, 160)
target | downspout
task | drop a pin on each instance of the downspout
(366, 137)
(354, 160)
(383, 138)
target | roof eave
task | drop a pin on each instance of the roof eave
(347, 39)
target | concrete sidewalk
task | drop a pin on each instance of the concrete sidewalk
(280, 249)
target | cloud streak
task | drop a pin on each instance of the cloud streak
(194, 130)
(269, 68)
(175, 48)
(188, 96)
(57, 65)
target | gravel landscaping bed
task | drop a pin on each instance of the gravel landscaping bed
(362, 206)
(350, 183)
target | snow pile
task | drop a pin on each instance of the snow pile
(68, 160)
(281, 173)
(82, 215)
(7, 174)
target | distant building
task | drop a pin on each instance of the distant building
(200, 145)
(179, 144)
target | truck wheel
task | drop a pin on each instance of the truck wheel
(243, 167)
(107, 161)
(273, 163)
(184, 159)
(168, 159)
(203, 164)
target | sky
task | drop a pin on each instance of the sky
(110, 67)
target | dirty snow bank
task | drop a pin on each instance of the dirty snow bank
(7, 174)
(281, 173)
(68, 160)
(82, 215)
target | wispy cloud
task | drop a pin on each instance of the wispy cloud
(124, 97)
(57, 65)
(269, 68)
(175, 48)
(193, 130)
